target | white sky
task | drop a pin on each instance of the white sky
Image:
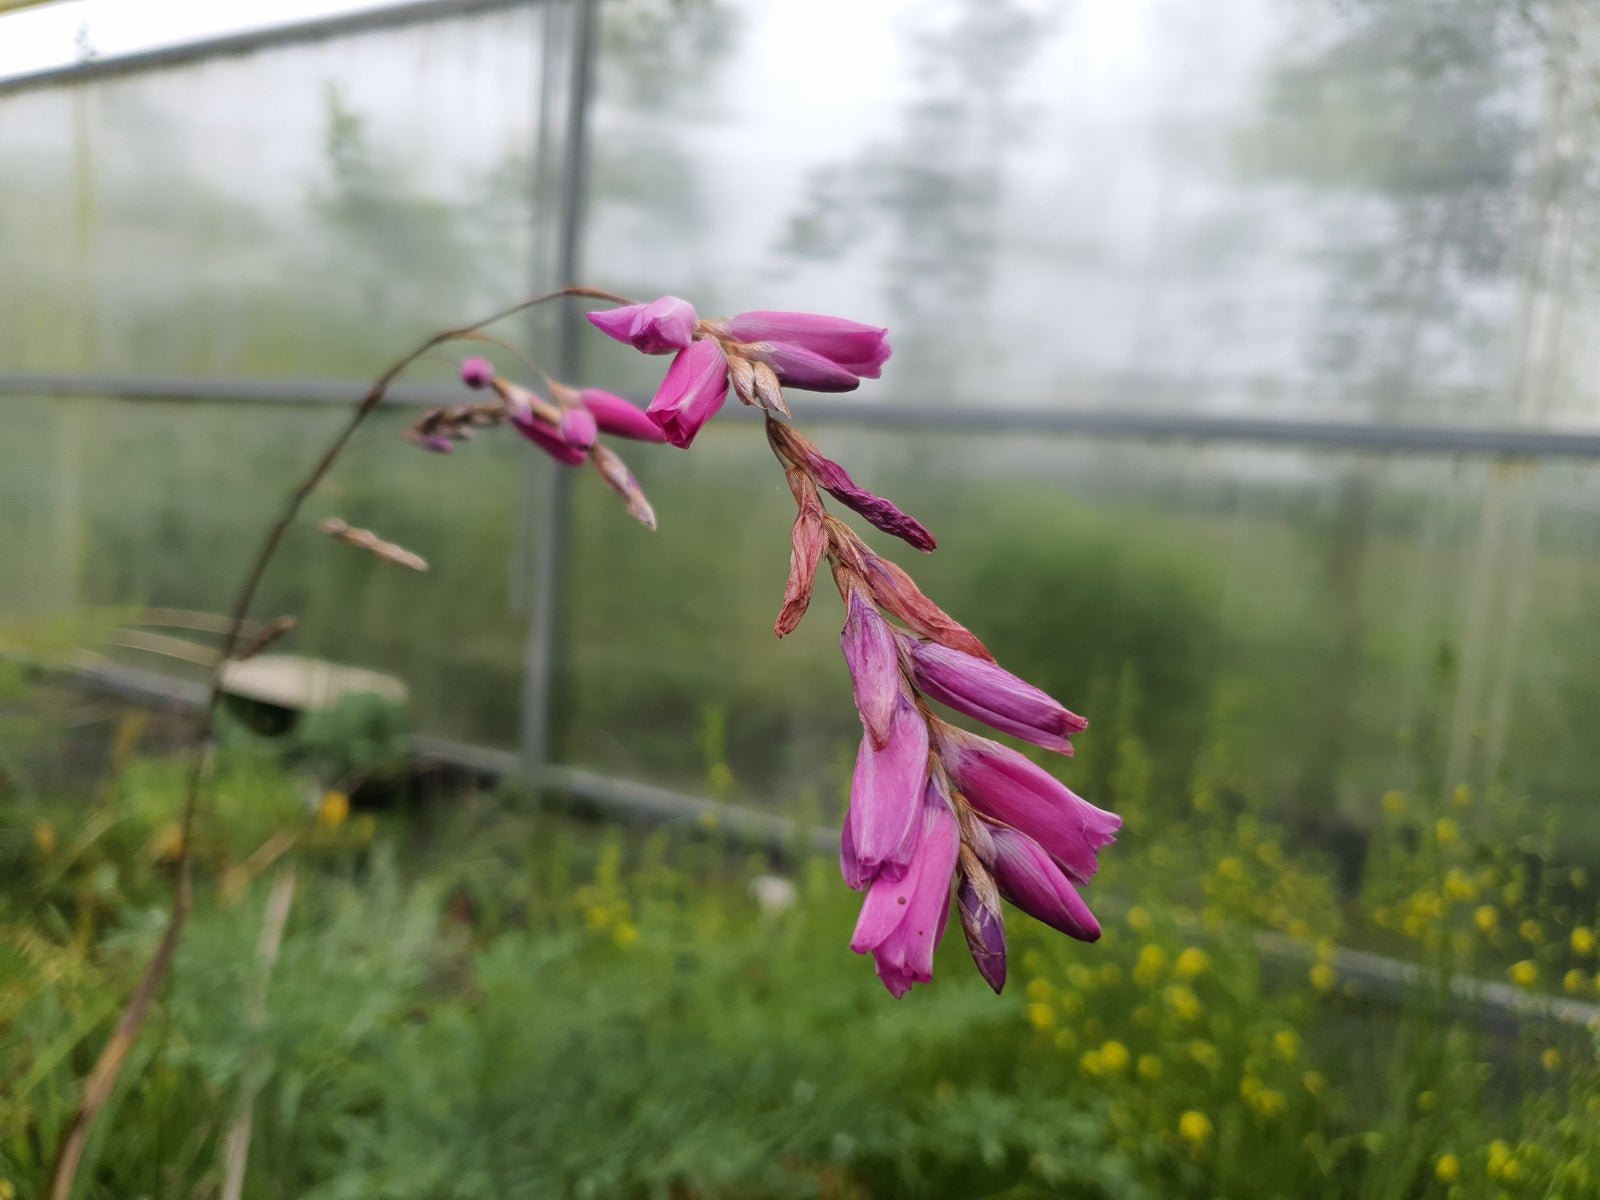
(48, 36)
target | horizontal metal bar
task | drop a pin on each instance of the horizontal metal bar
(387, 17)
(1120, 424)
(1374, 976)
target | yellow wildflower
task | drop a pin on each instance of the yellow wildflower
(1458, 886)
(1447, 1168)
(1427, 1101)
(1040, 989)
(1091, 1065)
(333, 810)
(1323, 977)
(1111, 975)
(1394, 802)
(626, 934)
(1287, 1044)
(1204, 1053)
(1524, 973)
(1299, 929)
(1231, 869)
(1574, 981)
(1531, 930)
(1550, 1060)
(1149, 1067)
(1041, 1016)
(1315, 1082)
(1138, 919)
(1268, 1102)
(1583, 940)
(1183, 1003)
(1195, 1128)
(1192, 962)
(1152, 961)
(1446, 831)
(1462, 796)
(1485, 917)
(1065, 1041)
(1114, 1057)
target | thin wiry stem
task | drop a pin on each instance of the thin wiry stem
(108, 1067)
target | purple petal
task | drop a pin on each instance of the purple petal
(869, 652)
(885, 514)
(578, 427)
(1029, 879)
(660, 327)
(986, 935)
(1002, 784)
(695, 388)
(886, 794)
(547, 439)
(992, 695)
(615, 415)
(801, 368)
(861, 349)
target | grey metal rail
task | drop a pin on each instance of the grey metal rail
(1505, 442)
(367, 20)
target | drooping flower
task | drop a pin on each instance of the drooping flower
(1003, 785)
(984, 928)
(799, 451)
(615, 415)
(660, 327)
(902, 920)
(885, 797)
(869, 652)
(1030, 879)
(578, 427)
(991, 694)
(695, 388)
(860, 349)
(758, 353)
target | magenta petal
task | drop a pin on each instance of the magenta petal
(885, 514)
(660, 327)
(860, 349)
(547, 439)
(1029, 879)
(849, 862)
(1002, 784)
(477, 372)
(993, 695)
(578, 427)
(886, 795)
(695, 388)
(615, 415)
(801, 368)
(902, 921)
(869, 652)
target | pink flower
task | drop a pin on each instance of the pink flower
(578, 427)
(885, 797)
(799, 367)
(869, 652)
(659, 327)
(547, 438)
(695, 388)
(903, 919)
(1006, 787)
(1028, 878)
(991, 694)
(615, 415)
(860, 349)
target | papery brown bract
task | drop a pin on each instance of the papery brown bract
(807, 541)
